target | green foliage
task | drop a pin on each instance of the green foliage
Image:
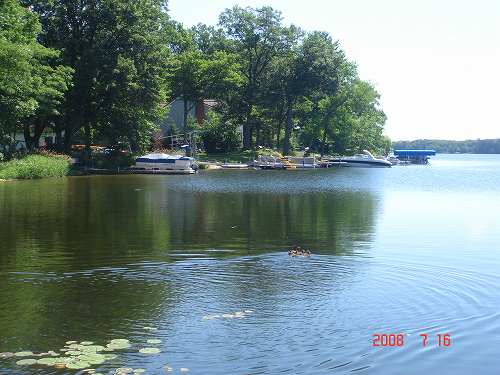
(200, 72)
(118, 51)
(257, 36)
(218, 135)
(32, 83)
(103, 73)
(477, 146)
(36, 166)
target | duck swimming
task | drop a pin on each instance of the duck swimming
(298, 251)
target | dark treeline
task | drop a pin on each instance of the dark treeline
(104, 71)
(477, 146)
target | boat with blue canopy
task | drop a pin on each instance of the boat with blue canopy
(164, 163)
(414, 156)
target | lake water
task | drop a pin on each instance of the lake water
(407, 250)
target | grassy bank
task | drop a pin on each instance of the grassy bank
(36, 166)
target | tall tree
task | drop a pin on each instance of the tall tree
(118, 51)
(195, 76)
(32, 83)
(257, 38)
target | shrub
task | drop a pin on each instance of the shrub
(36, 166)
(219, 136)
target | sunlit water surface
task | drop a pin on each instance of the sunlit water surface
(411, 249)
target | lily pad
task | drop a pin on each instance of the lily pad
(71, 342)
(47, 361)
(91, 349)
(120, 341)
(86, 343)
(64, 360)
(23, 354)
(153, 341)
(124, 370)
(94, 359)
(118, 346)
(77, 365)
(183, 369)
(26, 362)
(149, 351)
(139, 371)
(6, 355)
(73, 352)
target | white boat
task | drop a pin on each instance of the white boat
(366, 159)
(234, 166)
(164, 163)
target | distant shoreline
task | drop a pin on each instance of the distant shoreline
(477, 146)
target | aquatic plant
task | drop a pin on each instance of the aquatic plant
(123, 370)
(85, 355)
(26, 362)
(47, 361)
(118, 344)
(149, 351)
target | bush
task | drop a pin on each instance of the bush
(219, 136)
(36, 166)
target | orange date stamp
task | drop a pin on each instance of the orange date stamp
(442, 340)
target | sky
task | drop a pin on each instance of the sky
(436, 63)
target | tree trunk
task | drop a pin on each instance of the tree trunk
(33, 141)
(68, 139)
(278, 134)
(247, 130)
(185, 118)
(258, 135)
(39, 128)
(88, 142)
(59, 137)
(288, 129)
(323, 140)
(28, 141)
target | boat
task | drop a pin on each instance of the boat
(159, 163)
(414, 156)
(234, 166)
(366, 159)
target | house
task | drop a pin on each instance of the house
(175, 117)
(47, 139)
